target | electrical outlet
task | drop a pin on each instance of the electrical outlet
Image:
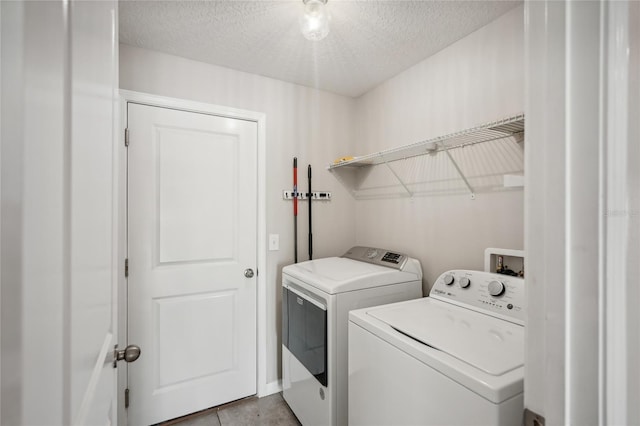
(274, 242)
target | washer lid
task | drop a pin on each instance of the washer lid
(486, 343)
(338, 274)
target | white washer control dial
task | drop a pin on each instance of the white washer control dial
(496, 288)
(465, 282)
(499, 296)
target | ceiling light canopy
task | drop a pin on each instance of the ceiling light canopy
(314, 22)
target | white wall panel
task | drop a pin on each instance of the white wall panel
(196, 178)
(214, 352)
(582, 228)
(58, 84)
(33, 251)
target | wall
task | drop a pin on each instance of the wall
(476, 80)
(313, 125)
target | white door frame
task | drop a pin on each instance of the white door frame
(581, 209)
(259, 118)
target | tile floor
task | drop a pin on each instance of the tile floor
(268, 411)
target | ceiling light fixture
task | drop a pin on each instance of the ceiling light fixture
(314, 22)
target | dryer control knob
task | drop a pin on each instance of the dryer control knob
(448, 279)
(496, 288)
(465, 282)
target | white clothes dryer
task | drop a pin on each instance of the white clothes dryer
(317, 296)
(454, 358)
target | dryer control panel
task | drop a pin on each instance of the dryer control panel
(377, 256)
(501, 296)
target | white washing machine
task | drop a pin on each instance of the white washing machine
(454, 358)
(316, 300)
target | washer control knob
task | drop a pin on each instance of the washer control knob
(448, 279)
(496, 288)
(465, 282)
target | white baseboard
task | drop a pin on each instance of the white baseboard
(270, 388)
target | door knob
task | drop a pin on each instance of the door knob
(128, 354)
(248, 273)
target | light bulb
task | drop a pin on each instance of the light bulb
(314, 23)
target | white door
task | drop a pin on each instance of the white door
(59, 77)
(192, 229)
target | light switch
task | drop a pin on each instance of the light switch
(274, 242)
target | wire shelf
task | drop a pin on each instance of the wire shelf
(511, 126)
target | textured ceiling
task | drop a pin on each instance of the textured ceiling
(370, 41)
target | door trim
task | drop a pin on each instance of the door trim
(127, 96)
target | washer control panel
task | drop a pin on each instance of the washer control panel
(501, 296)
(377, 256)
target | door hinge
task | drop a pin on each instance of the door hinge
(126, 268)
(126, 398)
(126, 137)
